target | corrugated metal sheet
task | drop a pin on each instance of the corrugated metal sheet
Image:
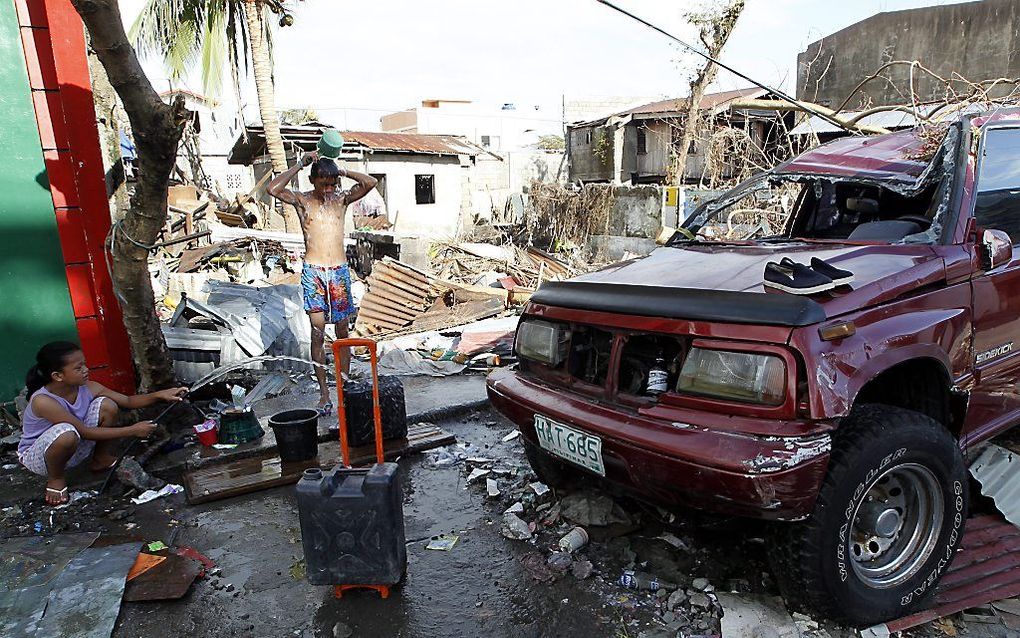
(709, 102)
(998, 472)
(413, 143)
(251, 322)
(986, 569)
(252, 144)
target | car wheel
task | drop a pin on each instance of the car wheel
(888, 519)
(549, 470)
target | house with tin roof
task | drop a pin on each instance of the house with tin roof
(426, 182)
(637, 146)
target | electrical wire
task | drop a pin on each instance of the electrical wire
(807, 107)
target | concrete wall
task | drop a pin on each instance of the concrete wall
(637, 212)
(978, 40)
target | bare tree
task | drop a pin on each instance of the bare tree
(715, 28)
(157, 129)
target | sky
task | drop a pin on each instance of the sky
(354, 61)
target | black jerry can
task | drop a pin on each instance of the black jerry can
(352, 525)
(359, 410)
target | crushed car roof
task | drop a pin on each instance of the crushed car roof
(894, 156)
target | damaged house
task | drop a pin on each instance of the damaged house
(635, 146)
(425, 181)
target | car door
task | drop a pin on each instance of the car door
(995, 400)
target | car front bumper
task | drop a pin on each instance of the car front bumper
(669, 464)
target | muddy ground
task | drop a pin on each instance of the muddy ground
(486, 584)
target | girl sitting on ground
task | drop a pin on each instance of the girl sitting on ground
(70, 418)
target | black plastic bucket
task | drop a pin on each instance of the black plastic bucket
(297, 434)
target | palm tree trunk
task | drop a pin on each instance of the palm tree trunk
(157, 128)
(262, 67)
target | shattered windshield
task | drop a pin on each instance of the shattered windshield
(811, 206)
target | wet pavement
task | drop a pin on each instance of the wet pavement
(485, 585)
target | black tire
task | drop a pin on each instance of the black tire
(548, 470)
(894, 457)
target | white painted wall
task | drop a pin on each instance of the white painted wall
(441, 220)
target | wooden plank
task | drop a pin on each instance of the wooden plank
(401, 294)
(412, 290)
(261, 473)
(381, 291)
(401, 310)
(412, 280)
(458, 315)
(407, 270)
(381, 320)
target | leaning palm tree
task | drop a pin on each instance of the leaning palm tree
(210, 33)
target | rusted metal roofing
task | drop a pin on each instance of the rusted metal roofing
(986, 569)
(412, 143)
(890, 157)
(305, 137)
(709, 102)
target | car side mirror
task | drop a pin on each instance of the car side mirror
(996, 248)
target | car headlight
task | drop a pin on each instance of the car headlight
(736, 376)
(542, 341)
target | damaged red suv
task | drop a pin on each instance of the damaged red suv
(844, 414)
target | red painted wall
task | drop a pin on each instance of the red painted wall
(54, 43)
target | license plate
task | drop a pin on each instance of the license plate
(570, 444)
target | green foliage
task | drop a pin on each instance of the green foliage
(551, 143)
(603, 146)
(297, 117)
(189, 32)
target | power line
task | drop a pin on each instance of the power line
(792, 100)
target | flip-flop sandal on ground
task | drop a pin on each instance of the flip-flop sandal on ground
(326, 409)
(63, 496)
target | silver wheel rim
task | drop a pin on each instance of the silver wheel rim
(896, 524)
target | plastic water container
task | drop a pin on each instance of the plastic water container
(392, 410)
(352, 525)
(330, 144)
(352, 519)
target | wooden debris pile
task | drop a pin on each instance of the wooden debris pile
(470, 263)
(402, 299)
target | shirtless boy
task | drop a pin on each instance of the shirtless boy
(325, 277)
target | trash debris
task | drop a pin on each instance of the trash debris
(743, 615)
(675, 542)
(144, 563)
(982, 614)
(516, 508)
(574, 540)
(593, 509)
(582, 569)
(538, 567)
(640, 580)
(131, 473)
(514, 528)
(559, 561)
(540, 489)
(155, 546)
(152, 495)
(476, 474)
(492, 487)
(443, 543)
(510, 437)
